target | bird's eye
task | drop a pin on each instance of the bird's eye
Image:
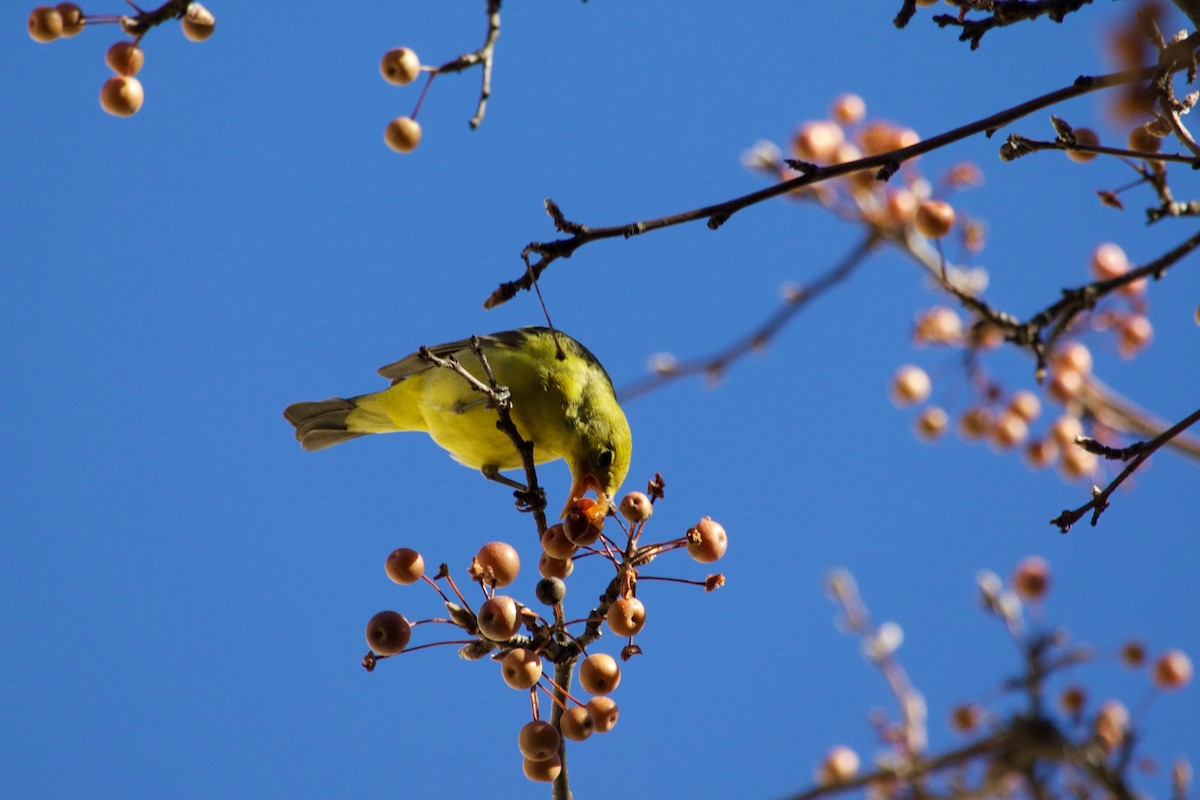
(606, 457)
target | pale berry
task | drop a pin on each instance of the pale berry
(817, 140)
(499, 618)
(556, 544)
(403, 134)
(125, 58)
(404, 566)
(400, 66)
(555, 567)
(45, 24)
(1133, 334)
(1109, 261)
(840, 765)
(122, 96)
(1172, 670)
(1031, 578)
(72, 18)
(932, 423)
(626, 616)
(1076, 356)
(1065, 430)
(975, 423)
(1025, 404)
(521, 668)
(910, 385)
(496, 564)
(848, 109)
(938, 325)
(577, 723)
(599, 674)
(198, 23)
(1077, 463)
(1087, 137)
(538, 740)
(1041, 453)
(1065, 384)
(1009, 430)
(542, 771)
(388, 633)
(935, 219)
(1111, 724)
(604, 713)
(636, 507)
(706, 542)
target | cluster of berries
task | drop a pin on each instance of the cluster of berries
(400, 67)
(121, 95)
(497, 625)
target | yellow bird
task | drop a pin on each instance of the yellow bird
(562, 401)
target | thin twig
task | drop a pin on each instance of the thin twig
(484, 57)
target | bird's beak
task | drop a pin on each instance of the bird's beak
(585, 482)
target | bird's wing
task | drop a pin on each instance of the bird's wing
(413, 364)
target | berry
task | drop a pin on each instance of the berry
(975, 423)
(499, 618)
(400, 66)
(555, 567)
(404, 566)
(1143, 140)
(599, 674)
(817, 140)
(1072, 700)
(1133, 654)
(1077, 463)
(1031, 578)
(556, 544)
(1133, 334)
(1010, 430)
(1111, 724)
(1109, 261)
(72, 19)
(1025, 404)
(965, 718)
(539, 740)
(706, 542)
(198, 23)
(1074, 356)
(1084, 136)
(1172, 670)
(1065, 384)
(1041, 453)
(521, 668)
(403, 134)
(542, 771)
(1065, 429)
(910, 385)
(125, 58)
(938, 325)
(626, 616)
(848, 109)
(934, 219)
(604, 713)
(45, 24)
(122, 96)
(839, 766)
(388, 633)
(550, 590)
(902, 206)
(583, 522)
(577, 723)
(932, 423)
(636, 507)
(496, 564)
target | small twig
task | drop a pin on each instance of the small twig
(1140, 453)
(563, 672)
(1007, 12)
(484, 57)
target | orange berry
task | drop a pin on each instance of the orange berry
(1031, 578)
(626, 616)
(542, 771)
(706, 542)
(1025, 405)
(496, 564)
(125, 58)
(817, 140)
(902, 206)
(555, 567)
(938, 325)
(539, 741)
(1009, 430)
(577, 723)
(1065, 429)
(388, 633)
(404, 566)
(45, 24)
(604, 713)
(1084, 136)
(1074, 356)
(556, 544)
(584, 522)
(1077, 463)
(72, 18)
(935, 219)
(910, 385)
(1134, 333)
(198, 23)
(499, 618)
(599, 674)
(400, 66)
(636, 507)
(403, 134)
(932, 423)
(1143, 141)
(122, 96)
(1172, 670)
(848, 109)
(521, 668)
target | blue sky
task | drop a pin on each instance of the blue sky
(185, 589)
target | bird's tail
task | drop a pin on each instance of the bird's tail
(322, 423)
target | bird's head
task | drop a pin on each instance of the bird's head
(601, 461)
